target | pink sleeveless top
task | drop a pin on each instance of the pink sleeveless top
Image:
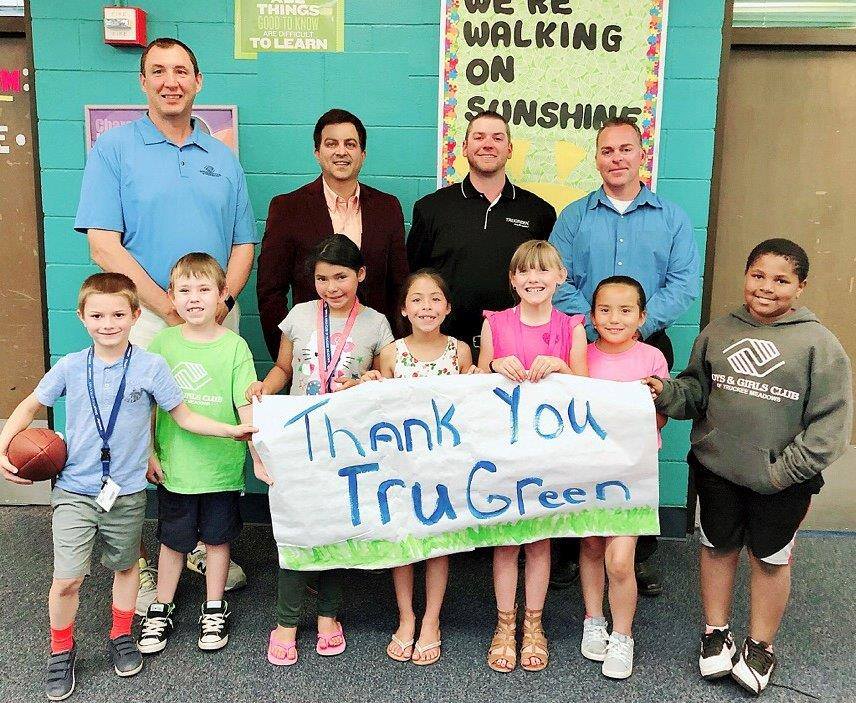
(511, 337)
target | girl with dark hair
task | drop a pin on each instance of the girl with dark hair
(424, 352)
(327, 344)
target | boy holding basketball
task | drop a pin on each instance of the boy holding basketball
(110, 389)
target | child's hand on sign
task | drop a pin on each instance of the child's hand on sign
(372, 375)
(341, 384)
(261, 472)
(255, 390)
(655, 385)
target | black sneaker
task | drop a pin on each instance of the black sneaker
(59, 681)
(717, 654)
(156, 628)
(124, 656)
(214, 625)
(648, 580)
(754, 667)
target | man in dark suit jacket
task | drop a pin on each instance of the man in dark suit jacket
(335, 202)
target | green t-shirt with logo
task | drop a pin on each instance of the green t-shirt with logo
(213, 377)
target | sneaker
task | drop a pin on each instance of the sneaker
(214, 625)
(124, 655)
(754, 667)
(156, 628)
(619, 657)
(595, 639)
(148, 592)
(648, 579)
(235, 579)
(717, 654)
(59, 681)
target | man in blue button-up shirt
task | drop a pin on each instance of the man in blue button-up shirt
(623, 228)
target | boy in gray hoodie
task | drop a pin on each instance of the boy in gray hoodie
(769, 391)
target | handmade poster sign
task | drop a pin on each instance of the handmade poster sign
(395, 471)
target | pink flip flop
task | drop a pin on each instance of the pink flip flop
(325, 649)
(280, 653)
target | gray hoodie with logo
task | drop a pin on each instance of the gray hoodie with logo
(771, 404)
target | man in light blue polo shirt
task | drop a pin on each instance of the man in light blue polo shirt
(156, 189)
(623, 228)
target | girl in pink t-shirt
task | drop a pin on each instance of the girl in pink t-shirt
(527, 343)
(618, 311)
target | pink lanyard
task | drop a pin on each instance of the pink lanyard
(551, 339)
(327, 360)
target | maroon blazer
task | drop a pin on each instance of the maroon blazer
(296, 222)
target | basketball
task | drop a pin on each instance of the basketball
(38, 453)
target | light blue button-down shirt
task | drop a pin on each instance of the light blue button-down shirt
(166, 200)
(149, 381)
(651, 242)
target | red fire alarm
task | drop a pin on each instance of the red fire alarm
(124, 26)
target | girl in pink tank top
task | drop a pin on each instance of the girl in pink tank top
(527, 343)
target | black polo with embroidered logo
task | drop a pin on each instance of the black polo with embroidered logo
(470, 240)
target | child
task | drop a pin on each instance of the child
(199, 479)
(618, 311)
(527, 343)
(424, 352)
(107, 452)
(327, 344)
(769, 391)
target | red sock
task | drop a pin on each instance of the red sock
(122, 620)
(62, 640)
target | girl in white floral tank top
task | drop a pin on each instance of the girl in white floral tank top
(424, 352)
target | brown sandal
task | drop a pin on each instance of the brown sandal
(504, 644)
(534, 643)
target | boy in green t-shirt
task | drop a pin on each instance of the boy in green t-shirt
(199, 478)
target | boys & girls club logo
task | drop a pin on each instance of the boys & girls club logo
(753, 357)
(190, 376)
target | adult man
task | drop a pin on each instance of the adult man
(156, 189)
(469, 230)
(624, 228)
(335, 202)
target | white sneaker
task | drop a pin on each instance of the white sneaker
(754, 667)
(716, 654)
(148, 592)
(235, 579)
(595, 639)
(619, 657)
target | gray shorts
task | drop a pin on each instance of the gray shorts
(76, 521)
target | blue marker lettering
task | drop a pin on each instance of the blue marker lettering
(600, 489)
(513, 401)
(484, 515)
(331, 441)
(556, 414)
(408, 436)
(445, 421)
(444, 505)
(382, 500)
(590, 421)
(546, 499)
(305, 415)
(521, 484)
(353, 496)
(569, 494)
(377, 434)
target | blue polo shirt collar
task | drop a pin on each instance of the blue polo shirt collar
(644, 197)
(152, 135)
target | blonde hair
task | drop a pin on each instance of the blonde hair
(198, 265)
(535, 254)
(108, 284)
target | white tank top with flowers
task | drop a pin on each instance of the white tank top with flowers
(408, 366)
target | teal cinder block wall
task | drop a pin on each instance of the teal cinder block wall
(387, 75)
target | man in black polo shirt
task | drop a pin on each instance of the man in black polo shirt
(469, 230)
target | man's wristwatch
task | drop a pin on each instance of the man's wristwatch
(229, 302)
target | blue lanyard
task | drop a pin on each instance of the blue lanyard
(105, 433)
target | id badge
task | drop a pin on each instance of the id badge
(108, 494)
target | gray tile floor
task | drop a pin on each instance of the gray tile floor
(816, 645)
